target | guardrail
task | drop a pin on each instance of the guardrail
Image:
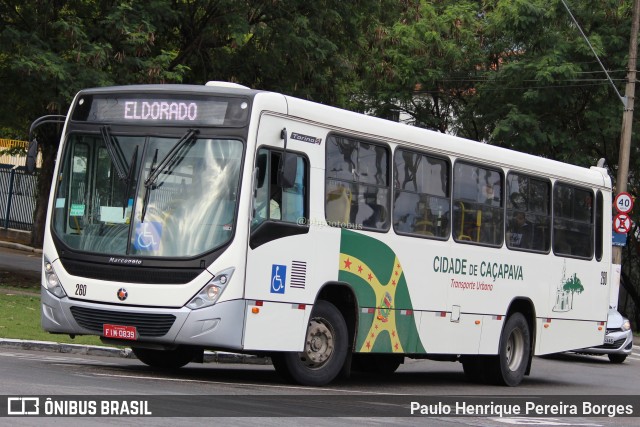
(18, 191)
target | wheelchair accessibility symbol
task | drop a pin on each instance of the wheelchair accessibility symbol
(148, 236)
(278, 278)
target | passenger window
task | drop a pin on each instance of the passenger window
(528, 213)
(357, 184)
(478, 205)
(421, 199)
(572, 221)
(78, 192)
(273, 202)
(599, 225)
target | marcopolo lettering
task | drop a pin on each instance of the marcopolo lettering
(125, 261)
(160, 110)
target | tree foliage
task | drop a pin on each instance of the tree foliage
(514, 73)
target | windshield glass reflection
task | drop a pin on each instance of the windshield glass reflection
(190, 205)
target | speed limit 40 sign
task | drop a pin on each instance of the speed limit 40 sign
(624, 203)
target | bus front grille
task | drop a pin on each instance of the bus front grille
(147, 324)
(130, 274)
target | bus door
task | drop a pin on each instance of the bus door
(276, 266)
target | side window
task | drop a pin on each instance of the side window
(478, 204)
(528, 213)
(78, 191)
(357, 184)
(572, 221)
(272, 202)
(421, 198)
(599, 225)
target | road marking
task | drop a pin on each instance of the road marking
(541, 422)
(44, 358)
(184, 380)
(57, 360)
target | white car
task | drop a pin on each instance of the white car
(618, 341)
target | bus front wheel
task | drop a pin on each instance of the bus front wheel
(166, 359)
(325, 349)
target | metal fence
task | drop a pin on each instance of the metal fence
(17, 197)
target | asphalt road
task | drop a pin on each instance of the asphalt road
(184, 392)
(256, 395)
(20, 263)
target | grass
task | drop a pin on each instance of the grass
(20, 317)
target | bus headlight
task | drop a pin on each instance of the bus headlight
(52, 283)
(212, 290)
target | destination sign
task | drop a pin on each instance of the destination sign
(198, 111)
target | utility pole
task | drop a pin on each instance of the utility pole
(627, 117)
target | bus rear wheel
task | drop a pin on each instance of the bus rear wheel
(166, 359)
(325, 349)
(514, 353)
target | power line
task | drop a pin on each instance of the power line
(623, 99)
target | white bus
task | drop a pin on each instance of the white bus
(184, 218)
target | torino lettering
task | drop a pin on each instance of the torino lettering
(160, 110)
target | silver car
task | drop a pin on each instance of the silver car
(618, 341)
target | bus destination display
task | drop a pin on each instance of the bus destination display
(196, 111)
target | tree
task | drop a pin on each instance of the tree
(423, 62)
(52, 49)
(573, 285)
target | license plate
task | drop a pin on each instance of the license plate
(608, 340)
(120, 332)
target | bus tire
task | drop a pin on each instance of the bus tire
(514, 352)
(376, 363)
(325, 349)
(166, 359)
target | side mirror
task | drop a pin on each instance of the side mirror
(32, 156)
(287, 170)
(288, 167)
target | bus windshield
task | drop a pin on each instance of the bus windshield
(102, 204)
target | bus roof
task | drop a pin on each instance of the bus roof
(376, 129)
(373, 128)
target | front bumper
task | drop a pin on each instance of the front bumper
(622, 344)
(217, 327)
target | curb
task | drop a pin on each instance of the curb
(19, 247)
(55, 347)
(95, 350)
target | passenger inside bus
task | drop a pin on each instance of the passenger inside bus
(520, 231)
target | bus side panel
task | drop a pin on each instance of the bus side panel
(490, 337)
(275, 326)
(557, 335)
(441, 335)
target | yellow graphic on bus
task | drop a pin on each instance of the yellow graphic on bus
(384, 316)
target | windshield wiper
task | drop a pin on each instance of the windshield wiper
(168, 163)
(171, 159)
(115, 152)
(129, 180)
(147, 191)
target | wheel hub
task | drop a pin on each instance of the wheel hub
(319, 344)
(515, 350)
